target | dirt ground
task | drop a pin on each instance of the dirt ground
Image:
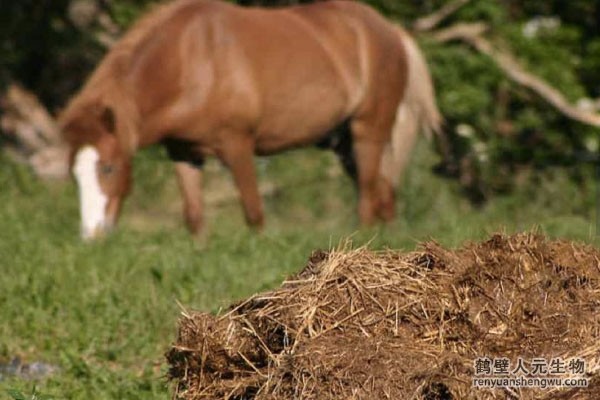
(357, 324)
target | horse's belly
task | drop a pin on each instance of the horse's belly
(298, 123)
(274, 142)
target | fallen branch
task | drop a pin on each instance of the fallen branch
(23, 107)
(33, 134)
(472, 35)
(432, 20)
(84, 14)
(110, 31)
(460, 31)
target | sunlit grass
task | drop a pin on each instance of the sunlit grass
(106, 312)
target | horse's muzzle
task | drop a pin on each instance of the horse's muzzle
(98, 232)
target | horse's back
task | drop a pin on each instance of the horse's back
(317, 65)
(386, 56)
(289, 74)
(305, 65)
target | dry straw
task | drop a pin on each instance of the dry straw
(357, 324)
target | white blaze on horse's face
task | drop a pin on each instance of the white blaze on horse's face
(92, 200)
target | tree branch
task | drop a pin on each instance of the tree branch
(36, 137)
(22, 107)
(472, 35)
(432, 20)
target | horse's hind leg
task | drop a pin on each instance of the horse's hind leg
(237, 152)
(368, 150)
(387, 199)
(341, 144)
(339, 141)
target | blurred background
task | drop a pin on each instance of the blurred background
(518, 83)
(501, 129)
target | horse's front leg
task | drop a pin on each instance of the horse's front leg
(189, 179)
(237, 153)
(368, 157)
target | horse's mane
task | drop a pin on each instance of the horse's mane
(104, 87)
(120, 54)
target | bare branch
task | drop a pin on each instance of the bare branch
(460, 31)
(22, 107)
(430, 21)
(110, 30)
(472, 34)
(34, 131)
(51, 162)
(84, 14)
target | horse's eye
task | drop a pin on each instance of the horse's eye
(106, 169)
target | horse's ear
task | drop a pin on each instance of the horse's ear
(108, 119)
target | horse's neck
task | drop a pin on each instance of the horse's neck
(127, 118)
(112, 92)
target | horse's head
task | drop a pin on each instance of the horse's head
(100, 165)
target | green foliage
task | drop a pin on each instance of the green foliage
(507, 129)
(590, 65)
(492, 12)
(40, 47)
(126, 11)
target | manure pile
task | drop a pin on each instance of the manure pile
(389, 325)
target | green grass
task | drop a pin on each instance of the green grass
(106, 312)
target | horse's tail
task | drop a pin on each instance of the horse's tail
(417, 111)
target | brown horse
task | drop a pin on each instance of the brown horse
(206, 78)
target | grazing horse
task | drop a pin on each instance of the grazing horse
(205, 77)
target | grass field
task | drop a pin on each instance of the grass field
(106, 312)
